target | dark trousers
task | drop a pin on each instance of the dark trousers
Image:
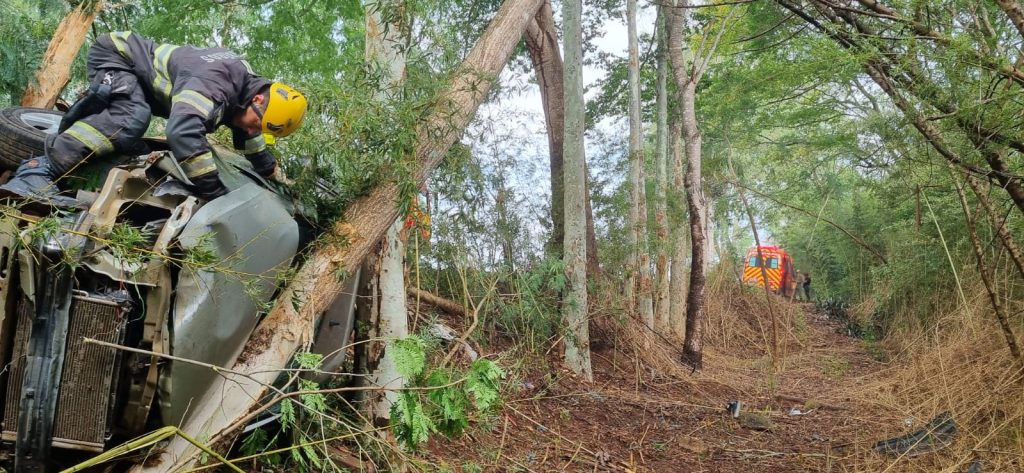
(111, 118)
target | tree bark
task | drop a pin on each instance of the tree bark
(1014, 12)
(55, 70)
(693, 343)
(680, 243)
(662, 318)
(686, 77)
(365, 222)
(447, 305)
(574, 308)
(986, 276)
(394, 324)
(542, 44)
(1000, 227)
(639, 257)
(385, 52)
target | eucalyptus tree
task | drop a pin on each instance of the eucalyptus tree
(574, 308)
(687, 71)
(661, 247)
(638, 288)
(55, 71)
(541, 39)
(26, 27)
(387, 39)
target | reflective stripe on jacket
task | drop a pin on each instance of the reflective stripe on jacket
(196, 89)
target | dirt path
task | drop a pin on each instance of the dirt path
(630, 421)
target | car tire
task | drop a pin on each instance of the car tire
(23, 131)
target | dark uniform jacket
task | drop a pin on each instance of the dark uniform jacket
(196, 89)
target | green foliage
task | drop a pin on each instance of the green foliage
(483, 381)
(409, 423)
(127, 243)
(44, 229)
(202, 255)
(409, 356)
(452, 404)
(446, 401)
(308, 360)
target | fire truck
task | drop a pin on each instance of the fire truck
(777, 266)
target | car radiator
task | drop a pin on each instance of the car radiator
(88, 382)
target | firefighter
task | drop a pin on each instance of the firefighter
(198, 90)
(798, 286)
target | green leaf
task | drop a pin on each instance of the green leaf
(409, 355)
(255, 442)
(408, 421)
(287, 413)
(484, 381)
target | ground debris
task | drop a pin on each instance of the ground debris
(937, 434)
(754, 421)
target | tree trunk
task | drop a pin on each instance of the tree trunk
(385, 52)
(1000, 227)
(365, 222)
(662, 319)
(986, 275)
(55, 70)
(693, 344)
(680, 238)
(394, 324)
(1013, 11)
(504, 227)
(447, 305)
(593, 264)
(542, 43)
(686, 90)
(640, 266)
(574, 308)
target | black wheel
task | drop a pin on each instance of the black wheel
(22, 133)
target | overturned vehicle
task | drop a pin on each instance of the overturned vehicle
(92, 297)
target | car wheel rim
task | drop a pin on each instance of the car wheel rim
(44, 122)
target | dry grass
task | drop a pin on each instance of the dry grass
(963, 367)
(958, 364)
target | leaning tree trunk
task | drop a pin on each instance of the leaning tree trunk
(1014, 12)
(289, 325)
(986, 274)
(542, 43)
(385, 52)
(574, 308)
(55, 70)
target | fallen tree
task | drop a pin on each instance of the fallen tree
(55, 71)
(289, 326)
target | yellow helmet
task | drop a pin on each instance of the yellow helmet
(285, 109)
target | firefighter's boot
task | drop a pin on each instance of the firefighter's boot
(33, 181)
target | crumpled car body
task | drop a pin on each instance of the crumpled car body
(87, 314)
